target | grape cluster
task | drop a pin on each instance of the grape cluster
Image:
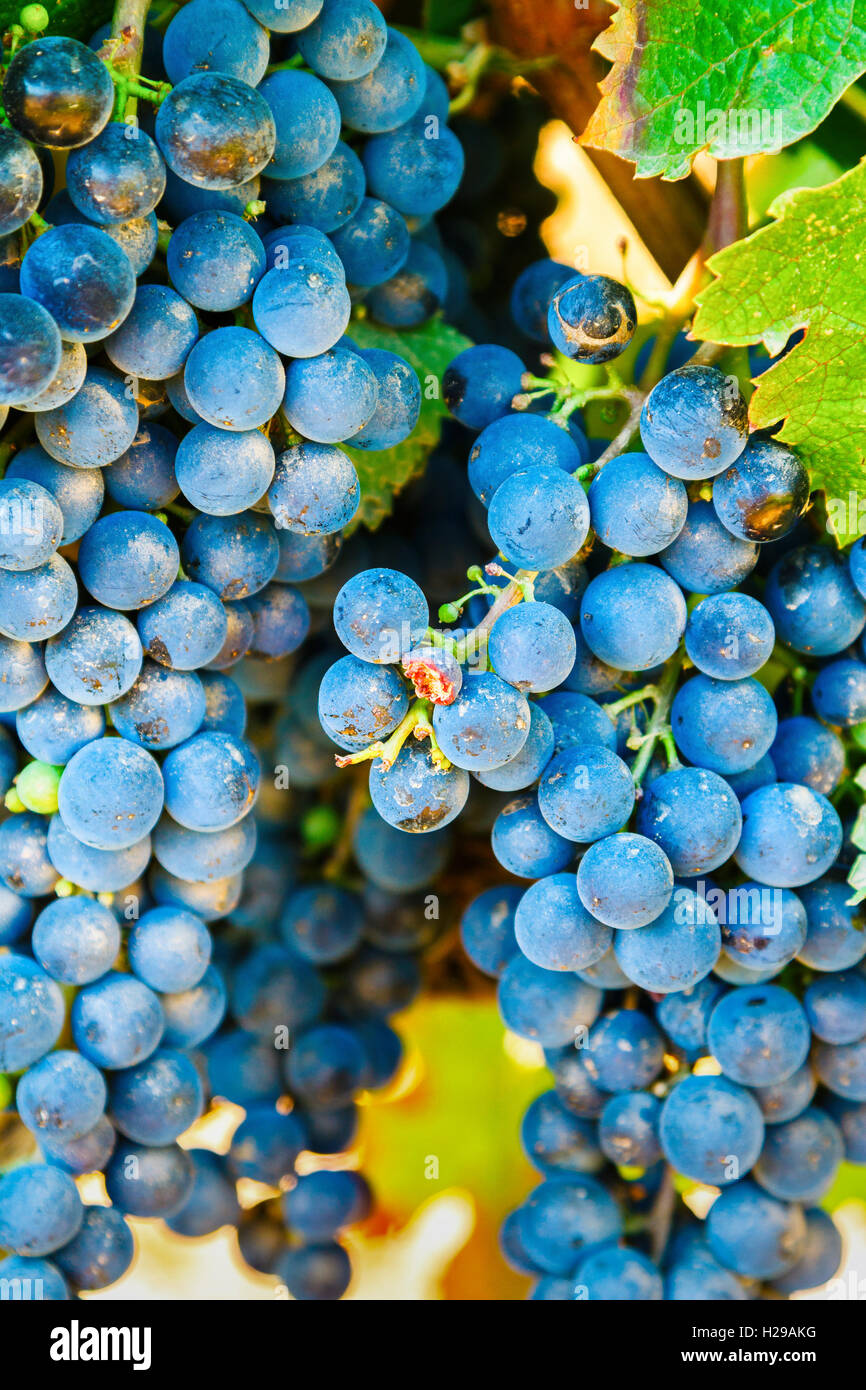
(677, 932)
(182, 387)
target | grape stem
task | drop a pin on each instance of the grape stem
(661, 1216)
(127, 34)
(418, 721)
(659, 729)
(356, 804)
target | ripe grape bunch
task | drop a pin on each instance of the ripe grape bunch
(179, 389)
(676, 932)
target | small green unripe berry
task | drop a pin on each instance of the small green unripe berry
(12, 801)
(34, 18)
(320, 827)
(64, 888)
(449, 613)
(37, 786)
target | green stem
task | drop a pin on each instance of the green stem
(127, 25)
(854, 98)
(659, 726)
(636, 697)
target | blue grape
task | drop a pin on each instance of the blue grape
(695, 1274)
(156, 1100)
(387, 96)
(761, 775)
(117, 176)
(235, 556)
(322, 1203)
(31, 525)
(302, 309)
(624, 1051)
(577, 720)
(95, 427)
(842, 1069)
(839, 693)
(239, 636)
(169, 950)
(413, 795)
(531, 295)
(89, 305)
(397, 862)
(76, 940)
(517, 441)
(633, 617)
(480, 383)
(143, 477)
(383, 1052)
(22, 181)
(215, 260)
(546, 1006)
(791, 835)
(78, 492)
(315, 489)
(761, 495)
(215, 131)
(31, 1013)
(193, 1015)
(487, 928)
(360, 703)
(485, 725)
(40, 1209)
(574, 1085)
(157, 335)
(345, 41)
(729, 636)
(149, 1180)
(628, 1129)
(674, 951)
(586, 792)
(300, 245)
(322, 923)
(693, 424)
(835, 1006)
(380, 614)
(705, 558)
(161, 709)
(759, 1034)
(398, 404)
(211, 781)
(762, 929)
(199, 857)
(212, 1202)
(96, 870)
(110, 794)
(606, 973)
(835, 939)
(695, 818)
(65, 383)
(625, 881)
(753, 1233)
(225, 708)
(40, 603)
(557, 1142)
(16, 914)
(30, 349)
(623, 1274)
(635, 507)
(850, 1119)
(528, 764)
(591, 318)
(562, 1218)
(24, 863)
(785, 1099)
(233, 379)
(378, 984)
(711, 1130)
(411, 296)
(183, 200)
(725, 726)
(57, 93)
(62, 1096)
(330, 397)
(281, 621)
(185, 628)
(813, 602)
(315, 1273)
(307, 121)
(325, 1067)
(325, 198)
(100, 1253)
(524, 842)
(116, 1022)
(215, 36)
(807, 752)
(532, 646)
(801, 1158)
(539, 517)
(373, 244)
(414, 171)
(820, 1257)
(553, 928)
(28, 1279)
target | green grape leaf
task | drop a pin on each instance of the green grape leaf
(805, 270)
(721, 75)
(77, 19)
(383, 472)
